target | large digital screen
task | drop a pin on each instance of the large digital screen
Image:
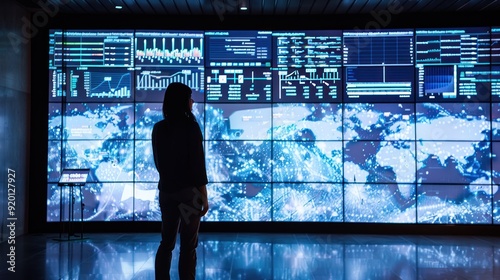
(307, 121)
(57, 84)
(378, 66)
(98, 85)
(341, 126)
(147, 114)
(108, 160)
(54, 160)
(495, 166)
(241, 84)
(168, 48)
(495, 121)
(453, 45)
(454, 204)
(378, 84)
(307, 161)
(164, 57)
(307, 85)
(454, 83)
(92, 121)
(307, 202)
(309, 48)
(238, 48)
(238, 121)
(55, 121)
(239, 161)
(380, 203)
(470, 121)
(495, 83)
(150, 83)
(449, 162)
(240, 202)
(307, 66)
(379, 121)
(95, 48)
(495, 45)
(453, 64)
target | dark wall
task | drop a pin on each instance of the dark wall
(15, 92)
(375, 20)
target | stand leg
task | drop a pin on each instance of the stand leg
(61, 228)
(82, 205)
(70, 214)
(69, 196)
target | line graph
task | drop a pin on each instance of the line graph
(159, 80)
(168, 51)
(108, 84)
(151, 84)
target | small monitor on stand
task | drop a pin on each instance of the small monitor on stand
(72, 178)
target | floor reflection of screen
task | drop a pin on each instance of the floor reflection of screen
(433, 258)
(401, 259)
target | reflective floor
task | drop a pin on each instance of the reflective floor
(259, 256)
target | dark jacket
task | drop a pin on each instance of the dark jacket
(178, 154)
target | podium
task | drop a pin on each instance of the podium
(71, 180)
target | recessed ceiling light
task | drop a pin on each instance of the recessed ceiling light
(243, 5)
(118, 7)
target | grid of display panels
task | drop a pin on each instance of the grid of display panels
(387, 126)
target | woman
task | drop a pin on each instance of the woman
(179, 158)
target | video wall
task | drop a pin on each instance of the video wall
(386, 126)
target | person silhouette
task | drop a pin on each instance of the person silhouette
(180, 160)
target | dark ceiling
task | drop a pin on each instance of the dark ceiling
(264, 7)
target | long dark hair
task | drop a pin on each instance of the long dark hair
(176, 101)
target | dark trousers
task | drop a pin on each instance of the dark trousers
(179, 213)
